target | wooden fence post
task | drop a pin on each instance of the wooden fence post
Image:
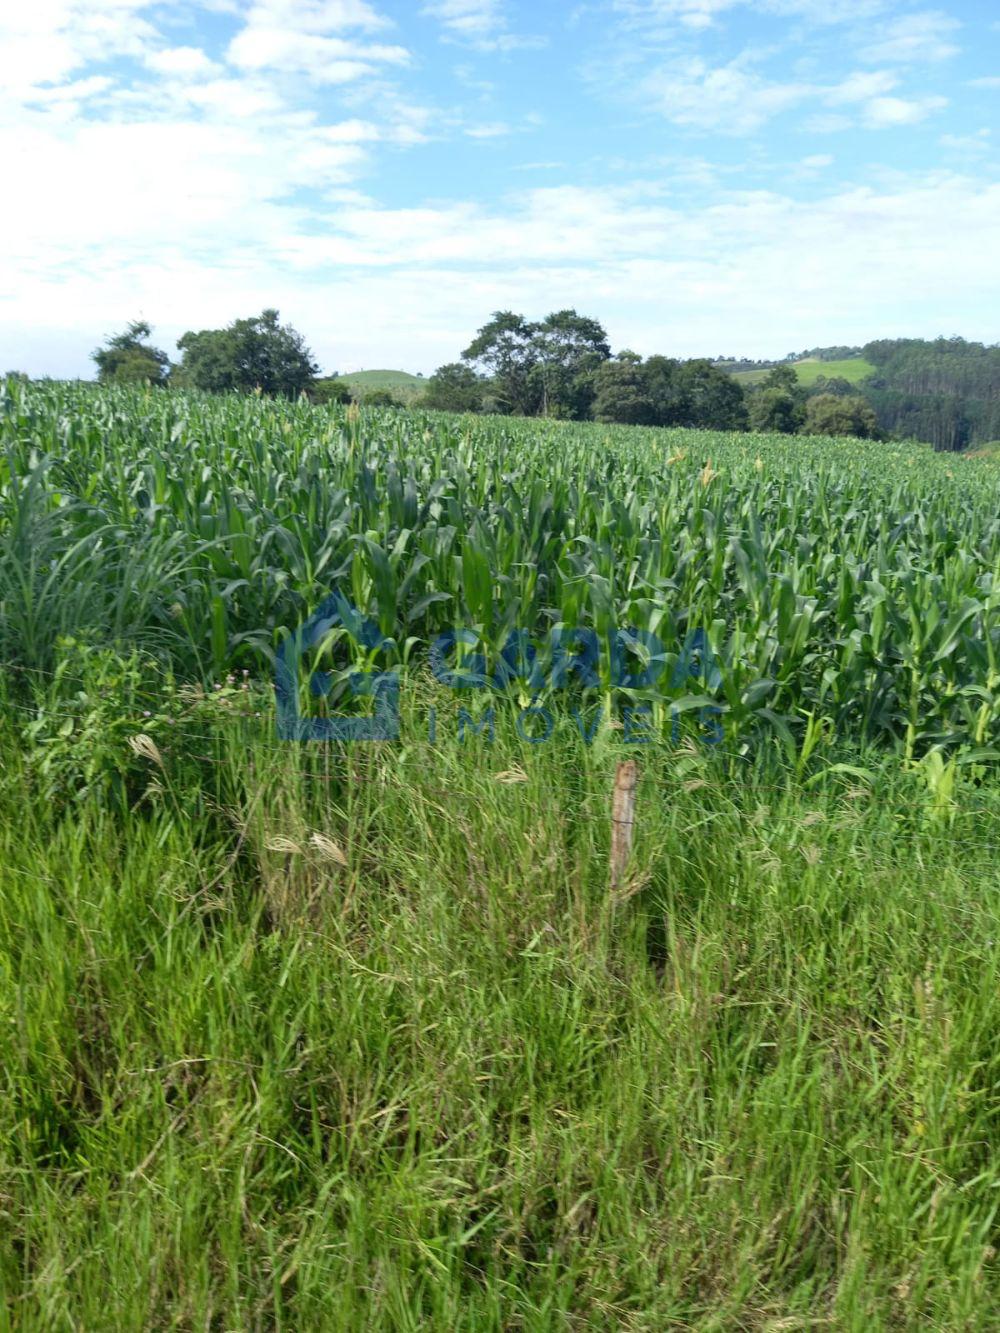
(622, 819)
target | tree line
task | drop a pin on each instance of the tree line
(946, 391)
(563, 366)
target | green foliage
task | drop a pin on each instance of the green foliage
(711, 399)
(946, 391)
(257, 354)
(454, 388)
(129, 358)
(783, 378)
(775, 410)
(544, 369)
(570, 349)
(301, 1037)
(380, 398)
(665, 392)
(831, 414)
(506, 350)
(333, 389)
(836, 384)
(100, 728)
(622, 394)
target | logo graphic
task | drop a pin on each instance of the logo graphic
(336, 611)
(570, 658)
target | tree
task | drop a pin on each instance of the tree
(127, 358)
(946, 391)
(570, 348)
(379, 398)
(775, 410)
(713, 400)
(454, 388)
(332, 389)
(621, 392)
(783, 378)
(827, 414)
(835, 384)
(249, 354)
(507, 350)
(662, 377)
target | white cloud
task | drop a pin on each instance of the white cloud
(470, 19)
(737, 99)
(182, 62)
(888, 112)
(665, 16)
(45, 41)
(494, 130)
(731, 98)
(208, 190)
(307, 37)
(480, 23)
(323, 59)
(317, 16)
(860, 87)
(968, 145)
(914, 38)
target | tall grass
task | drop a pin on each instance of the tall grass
(360, 1040)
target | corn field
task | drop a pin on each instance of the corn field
(842, 585)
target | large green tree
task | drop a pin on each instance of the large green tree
(828, 414)
(665, 388)
(775, 410)
(506, 350)
(570, 348)
(713, 400)
(778, 403)
(129, 357)
(621, 392)
(454, 388)
(258, 353)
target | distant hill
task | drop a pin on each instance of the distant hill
(855, 369)
(404, 386)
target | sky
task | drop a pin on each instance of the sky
(706, 177)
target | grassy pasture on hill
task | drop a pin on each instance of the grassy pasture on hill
(355, 1036)
(407, 388)
(854, 369)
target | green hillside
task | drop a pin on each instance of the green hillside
(855, 369)
(406, 387)
(747, 377)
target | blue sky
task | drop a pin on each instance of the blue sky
(705, 176)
